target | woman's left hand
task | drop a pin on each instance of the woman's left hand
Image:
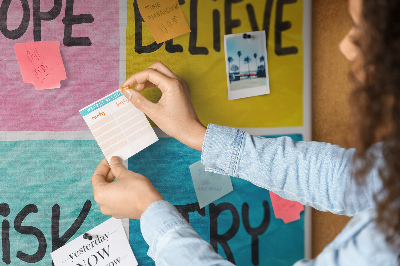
(127, 197)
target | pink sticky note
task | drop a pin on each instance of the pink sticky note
(286, 210)
(41, 64)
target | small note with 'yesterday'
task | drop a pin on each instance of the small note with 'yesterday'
(108, 246)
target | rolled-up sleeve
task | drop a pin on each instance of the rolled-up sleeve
(312, 173)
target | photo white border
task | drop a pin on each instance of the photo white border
(247, 92)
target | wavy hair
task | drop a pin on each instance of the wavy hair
(375, 102)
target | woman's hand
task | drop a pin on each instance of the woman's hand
(173, 113)
(127, 197)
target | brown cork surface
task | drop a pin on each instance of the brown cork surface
(331, 88)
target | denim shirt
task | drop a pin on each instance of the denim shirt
(312, 173)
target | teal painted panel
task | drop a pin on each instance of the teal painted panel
(45, 186)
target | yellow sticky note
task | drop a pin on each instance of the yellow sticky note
(164, 18)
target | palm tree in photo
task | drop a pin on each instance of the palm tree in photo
(230, 60)
(262, 59)
(234, 68)
(255, 58)
(239, 55)
(247, 60)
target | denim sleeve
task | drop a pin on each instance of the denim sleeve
(312, 173)
(172, 241)
(360, 243)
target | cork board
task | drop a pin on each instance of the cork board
(330, 97)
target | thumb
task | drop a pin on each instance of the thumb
(138, 100)
(117, 167)
(100, 174)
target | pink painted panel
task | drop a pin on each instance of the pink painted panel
(92, 71)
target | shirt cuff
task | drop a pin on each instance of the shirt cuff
(158, 219)
(222, 148)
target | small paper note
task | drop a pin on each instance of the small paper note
(118, 126)
(209, 186)
(41, 64)
(284, 209)
(108, 246)
(164, 18)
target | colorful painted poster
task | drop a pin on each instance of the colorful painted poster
(46, 194)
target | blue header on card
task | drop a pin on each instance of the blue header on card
(101, 103)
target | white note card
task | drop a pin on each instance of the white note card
(109, 246)
(118, 126)
(209, 186)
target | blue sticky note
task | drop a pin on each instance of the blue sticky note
(209, 186)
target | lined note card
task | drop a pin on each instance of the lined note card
(118, 126)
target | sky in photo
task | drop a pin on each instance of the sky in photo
(248, 47)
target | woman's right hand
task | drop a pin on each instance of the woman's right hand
(173, 113)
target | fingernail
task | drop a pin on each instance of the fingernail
(128, 93)
(115, 160)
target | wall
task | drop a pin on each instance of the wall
(331, 88)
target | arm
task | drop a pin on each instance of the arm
(312, 173)
(360, 243)
(315, 174)
(171, 240)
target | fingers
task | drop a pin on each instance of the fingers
(117, 167)
(100, 174)
(160, 67)
(140, 102)
(143, 86)
(110, 177)
(149, 75)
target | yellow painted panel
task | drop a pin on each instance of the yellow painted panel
(205, 73)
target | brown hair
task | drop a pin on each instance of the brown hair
(376, 106)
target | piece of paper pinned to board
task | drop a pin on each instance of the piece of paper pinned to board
(106, 244)
(288, 211)
(209, 186)
(41, 64)
(164, 18)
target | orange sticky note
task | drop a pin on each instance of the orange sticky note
(284, 209)
(41, 64)
(164, 18)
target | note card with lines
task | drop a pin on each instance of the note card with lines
(118, 126)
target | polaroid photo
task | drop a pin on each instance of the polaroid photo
(246, 64)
